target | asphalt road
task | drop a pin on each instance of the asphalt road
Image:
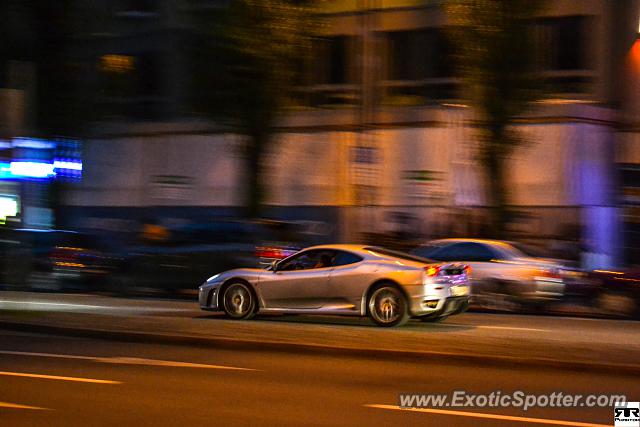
(61, 381)
(470, 329)
(479, 325)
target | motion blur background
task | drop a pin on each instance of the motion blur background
(170, 128)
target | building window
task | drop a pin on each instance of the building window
(418, 54)
(332, 64)
(330, 78)
(563, 60)
(132, 85)
(400, 50)
(118, 64)
(149, 75)
(419, 67)
(338, 60)
(117, 73)
(562, 43)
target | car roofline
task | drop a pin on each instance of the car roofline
(471, 240)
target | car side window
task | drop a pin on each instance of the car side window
(441, 253)
(302, 261)
(427, 251)
(309, 260)
(466, 251)
(345, 258)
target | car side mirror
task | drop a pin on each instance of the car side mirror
(274, 265)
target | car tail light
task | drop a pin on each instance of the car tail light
(432, 270)
(60, 253)
(553, 273)
(467, 270)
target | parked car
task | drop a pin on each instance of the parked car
(268, 252)
(173, 268)
(502, 276)
(186, 257)
(57, 260)
(352, 280)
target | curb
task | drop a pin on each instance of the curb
(307, 348)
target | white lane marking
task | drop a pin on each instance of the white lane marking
(26, 353)
(128, 360)
(490, 416)
(17, 406)
(154, 362)
(513, 328)
(106, 307)
(506, 328)
(58, 378)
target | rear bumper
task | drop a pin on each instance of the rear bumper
(455, 305)
(547, 288)
(446, 307)
(534, 290)
(451, 306)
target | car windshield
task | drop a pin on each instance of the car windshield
(398, 254)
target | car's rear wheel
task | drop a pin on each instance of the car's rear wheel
(388, 306)
(238, 301)
(500, 297)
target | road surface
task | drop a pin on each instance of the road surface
(62, 381)
(526, 336)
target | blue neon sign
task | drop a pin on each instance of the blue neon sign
(33, 160)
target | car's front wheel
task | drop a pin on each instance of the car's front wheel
(388, 306)
(238, 301)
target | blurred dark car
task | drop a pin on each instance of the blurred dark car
(618, 293)
(55, 260)
(191, 252)
(268, 252)
(174, 267)
(9, 247)
(277, 240)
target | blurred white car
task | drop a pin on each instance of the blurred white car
(502, 276)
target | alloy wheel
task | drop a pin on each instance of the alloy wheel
(387, 306)
(238, 301)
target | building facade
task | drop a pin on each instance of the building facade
(379, 138)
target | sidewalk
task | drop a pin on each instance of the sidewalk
(610, 346)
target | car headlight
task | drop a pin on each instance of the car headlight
(212, 278)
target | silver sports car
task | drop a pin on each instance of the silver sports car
(353, 280)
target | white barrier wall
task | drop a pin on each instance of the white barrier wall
(304, 169)
(194, 170)
(559, 165)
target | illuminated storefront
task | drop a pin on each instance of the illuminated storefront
(28, 167)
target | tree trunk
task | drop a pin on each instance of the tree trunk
(496, 192)
(254, 189)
